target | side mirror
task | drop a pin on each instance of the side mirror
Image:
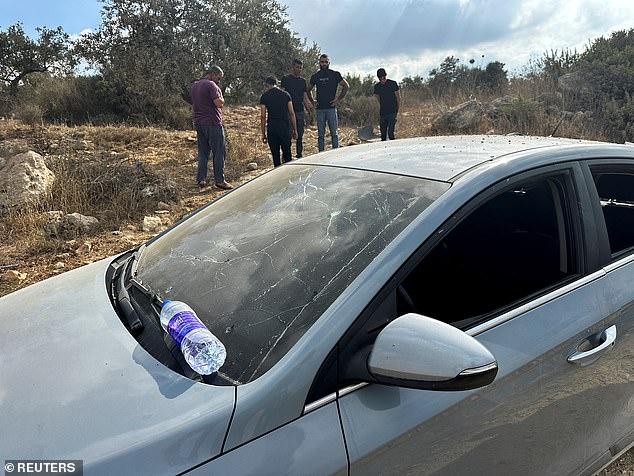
(415, 351)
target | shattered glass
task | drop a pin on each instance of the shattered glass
(260, 265)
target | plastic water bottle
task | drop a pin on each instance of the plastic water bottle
(202, 350)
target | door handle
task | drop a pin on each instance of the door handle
(607, 339)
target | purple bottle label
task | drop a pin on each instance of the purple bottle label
(181, 324)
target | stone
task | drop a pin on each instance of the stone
(24, 180)
(464, 118)
(84, 248)
(14, 276)
(163, 206)
(75, 224)
(152, 224)
(59, 265)
(116, 233)
(252, 166)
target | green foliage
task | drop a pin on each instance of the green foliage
(607, 69)
(523, 115)
(20, 56)
(360, 86)
(452, 78)
(359, 111)
(150, 50)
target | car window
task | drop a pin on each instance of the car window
(514, 245)
(616, 192)
(262, 264)
(503, 251)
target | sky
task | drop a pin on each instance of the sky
(406, 37)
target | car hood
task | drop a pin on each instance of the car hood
(74, 384)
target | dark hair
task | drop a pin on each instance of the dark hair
(380, 73)
(297, 61)
(324, 56)
(272, 80)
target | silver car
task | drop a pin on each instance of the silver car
(446, 305)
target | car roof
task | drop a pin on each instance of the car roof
(439, 157)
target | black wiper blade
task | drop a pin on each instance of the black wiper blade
(123, 298)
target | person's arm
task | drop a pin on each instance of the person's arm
(291, 114)
(219, 102)
(378, 98)
(344, 90)
(397, 93)
(309, 92)
(308, 104)
(263, 122)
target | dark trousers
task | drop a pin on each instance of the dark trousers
(211, 139)
(277, 138)
(300, 121)
(387, 123)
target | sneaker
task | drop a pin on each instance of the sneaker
(224, 185)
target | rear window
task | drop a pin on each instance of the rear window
(263, 263)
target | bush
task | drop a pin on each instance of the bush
(359, 111)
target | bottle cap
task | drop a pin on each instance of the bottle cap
(165, 303)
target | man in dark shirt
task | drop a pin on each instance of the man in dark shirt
(207, 103)
(327, 81)
(276, 111)
(295, 85)
(387, 93)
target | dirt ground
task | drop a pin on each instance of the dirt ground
(26, 249)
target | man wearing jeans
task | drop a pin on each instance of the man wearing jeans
(388, 94)
(207, 103)
(327, 81)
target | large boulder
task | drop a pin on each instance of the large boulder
(464, 118)
(24, 180)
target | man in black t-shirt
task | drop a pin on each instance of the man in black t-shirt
(327, 81)
(276, 111)
(387, 93)
(295, 85)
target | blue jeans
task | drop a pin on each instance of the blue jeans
(211, 139)
(330, 116)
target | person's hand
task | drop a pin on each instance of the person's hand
(295, 135)
(334, 102)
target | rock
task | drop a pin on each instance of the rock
(84, 248)
(161, 212)
(252, 166)
(149, 191)
(367, 132)
(463, 118)
(576, 83)
(3, 162)
(131, 228)
(116, 233)
(152, 224)
(59, 265)
(163, 206)
(493, 107)
(24, 179)
(75, 224)
(14, 276)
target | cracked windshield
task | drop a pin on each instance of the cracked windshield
(300, 238)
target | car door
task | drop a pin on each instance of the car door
(518, 271)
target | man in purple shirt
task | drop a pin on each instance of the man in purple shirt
(207, 103)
